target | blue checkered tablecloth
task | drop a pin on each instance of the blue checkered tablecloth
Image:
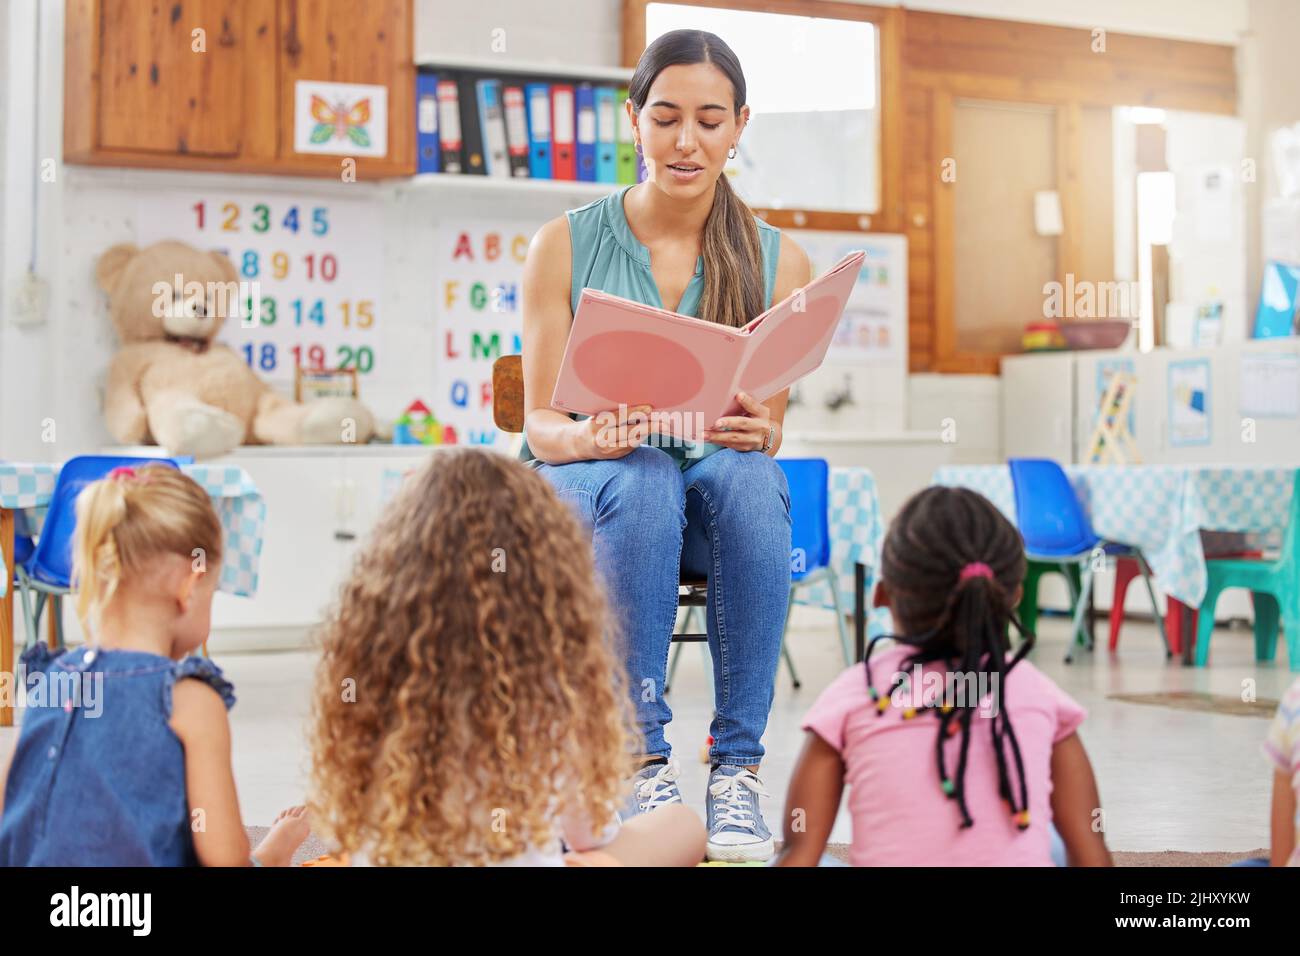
(856, 532)
(1160, 509)
(27, 487)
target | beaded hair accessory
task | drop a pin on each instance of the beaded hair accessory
(951, 721)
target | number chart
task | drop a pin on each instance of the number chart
(480, 265)
(310, 273)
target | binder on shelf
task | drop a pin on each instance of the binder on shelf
(426, 122)
(626, 145)
(512, 99)
(563, 158)
(538, 96)
(606, 139)
(492, 123)
(586, 106)
(471, 132)
(450, 144)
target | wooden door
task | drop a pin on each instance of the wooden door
(181, 84)
(1004, 153)
(350, 41)
(158, 92)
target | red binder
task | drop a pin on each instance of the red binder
(563, 153)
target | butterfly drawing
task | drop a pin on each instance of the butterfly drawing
(339, 122)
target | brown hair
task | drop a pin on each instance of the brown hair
(467, 694)
(733, 258)
(127, 518)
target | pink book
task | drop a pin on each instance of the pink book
(622, 352)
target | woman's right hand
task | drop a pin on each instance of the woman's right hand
(613, 434)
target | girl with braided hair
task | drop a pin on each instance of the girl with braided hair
(957, 752)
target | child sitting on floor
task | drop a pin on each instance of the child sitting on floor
(1283, 749)
(469, 708)
(956, 752)
(124, 755)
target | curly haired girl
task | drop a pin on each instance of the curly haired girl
(469, 709)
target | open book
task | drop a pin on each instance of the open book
(689, 370)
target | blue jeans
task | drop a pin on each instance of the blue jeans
(727, 518)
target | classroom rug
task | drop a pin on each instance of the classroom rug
(1201, 701)
(314, 849)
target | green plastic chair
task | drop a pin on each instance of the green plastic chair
(1274, 585)
(1028, 609)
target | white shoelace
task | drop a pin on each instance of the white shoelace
(732, 807)
(659, 790)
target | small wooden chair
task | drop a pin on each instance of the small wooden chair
(508, 414)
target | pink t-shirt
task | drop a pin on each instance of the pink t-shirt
(901, 816)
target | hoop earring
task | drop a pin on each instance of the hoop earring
(731, 153)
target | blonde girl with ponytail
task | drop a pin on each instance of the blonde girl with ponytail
(124, 755)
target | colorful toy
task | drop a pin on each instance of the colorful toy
(417, 426)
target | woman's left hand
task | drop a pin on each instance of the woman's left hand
(753, 432)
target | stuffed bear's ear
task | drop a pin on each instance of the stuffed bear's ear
(227, 267)
(110, 265)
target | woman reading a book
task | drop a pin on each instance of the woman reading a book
(660, 508)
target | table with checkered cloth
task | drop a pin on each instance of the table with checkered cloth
(1160, 509)
(856, 532)
(27, 487)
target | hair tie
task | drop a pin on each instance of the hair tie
(122, 471)
(976, 569)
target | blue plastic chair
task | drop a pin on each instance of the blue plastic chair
(1057, 531)
(47, 572)
(809, 482)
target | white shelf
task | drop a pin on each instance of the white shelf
(493, 64)
(502, 186)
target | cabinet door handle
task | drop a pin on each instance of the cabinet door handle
(344, 536)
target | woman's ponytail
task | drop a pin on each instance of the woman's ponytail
(733, 272)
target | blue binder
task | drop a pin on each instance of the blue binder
(537, 98)
(426, 123)
(606, 135)
(585, 104)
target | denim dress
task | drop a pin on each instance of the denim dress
(98, 777)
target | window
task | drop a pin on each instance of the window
(813, 139)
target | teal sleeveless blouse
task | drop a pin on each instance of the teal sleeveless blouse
(608, 257)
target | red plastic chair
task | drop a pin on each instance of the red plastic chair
(1126, 569)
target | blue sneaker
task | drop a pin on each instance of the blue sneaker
(653, 787)
(737, 831)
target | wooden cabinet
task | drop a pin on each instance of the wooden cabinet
(209, 84)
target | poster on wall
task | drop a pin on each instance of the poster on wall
(1189, 402)
(477, 319)
(1269, 385)
(340, 119)
(1105, 369)
(310, 274)
(873, 329)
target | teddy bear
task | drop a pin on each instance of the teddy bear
(171, 383)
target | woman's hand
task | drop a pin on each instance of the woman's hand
(753, 432)
(613, 434)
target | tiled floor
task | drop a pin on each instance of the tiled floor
(1170, 779)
